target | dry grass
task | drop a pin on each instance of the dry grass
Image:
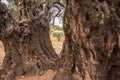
(48, 74)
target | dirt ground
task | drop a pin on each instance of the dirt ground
(48, 75)
(57, 44)
(2, 53)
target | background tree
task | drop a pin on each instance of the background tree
(28, 49)
(57, 31)
(90, 50)
(13, 10)
(58, 34)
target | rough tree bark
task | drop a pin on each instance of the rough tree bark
(91, 48)
(28, 49)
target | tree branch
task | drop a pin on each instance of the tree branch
(58, 3)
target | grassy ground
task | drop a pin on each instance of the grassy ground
(48, 74)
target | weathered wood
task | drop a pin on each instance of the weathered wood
(28, 49)
(91, 50)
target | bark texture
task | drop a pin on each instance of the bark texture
(28, 49)
(91, 48)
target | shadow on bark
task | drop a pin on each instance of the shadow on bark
(28, 49)
(91, 48)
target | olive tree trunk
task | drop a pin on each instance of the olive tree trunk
(28, 49)
(91, 48)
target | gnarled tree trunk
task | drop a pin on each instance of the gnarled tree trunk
(28, 49)
(91, 48)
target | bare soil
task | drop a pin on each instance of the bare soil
(48, 75)
(2, 54)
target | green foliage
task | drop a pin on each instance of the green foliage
(59, 28)
(58, 34)
(14, 12)
(51, 29)
(27, 0)
(55, 27)
(102, 20)
(56, 31)
(10, 1)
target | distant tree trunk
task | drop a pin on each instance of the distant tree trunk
(28, 49)
(91, 50)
